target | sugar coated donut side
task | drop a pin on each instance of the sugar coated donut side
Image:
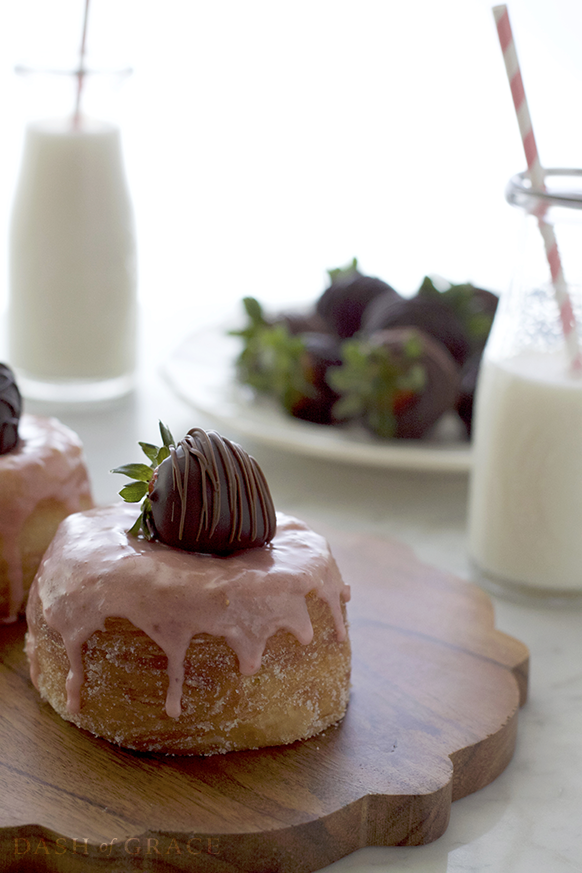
(158, 649)
(42, 480)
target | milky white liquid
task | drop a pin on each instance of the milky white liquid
(72, 257)
(525, 512)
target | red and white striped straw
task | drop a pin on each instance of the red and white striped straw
(537, 177)
(81, 71)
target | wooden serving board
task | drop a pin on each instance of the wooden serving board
(432, 718)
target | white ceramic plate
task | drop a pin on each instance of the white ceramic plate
(201, 370)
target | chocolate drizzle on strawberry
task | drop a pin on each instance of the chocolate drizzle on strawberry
(10, 410)
(219, 500)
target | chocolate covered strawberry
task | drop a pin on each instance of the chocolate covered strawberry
(344, 302)
(398, 382)
(10, 410)
(203, 494)
(290, 367)
(427, 313)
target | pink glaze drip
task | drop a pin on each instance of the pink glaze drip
(94, 570)
(47, 463)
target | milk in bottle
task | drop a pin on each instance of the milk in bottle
(72, 263)
(526, 495)
(525, 501)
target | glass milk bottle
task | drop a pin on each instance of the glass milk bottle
(525, 505)
(72, 281)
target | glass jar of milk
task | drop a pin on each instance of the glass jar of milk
(525, 505)
(72, 279)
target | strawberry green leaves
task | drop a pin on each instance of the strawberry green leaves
(373, 382)
(142, 475)
(474, 307)
(138, 489)
(272, 360)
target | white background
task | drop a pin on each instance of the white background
(267, 141)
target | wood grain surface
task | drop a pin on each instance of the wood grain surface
(432, 717)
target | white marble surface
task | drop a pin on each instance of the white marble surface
(530, 819)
